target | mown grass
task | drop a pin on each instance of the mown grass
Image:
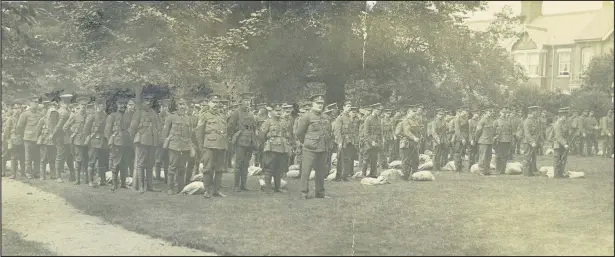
(458, 214)
(13, 244)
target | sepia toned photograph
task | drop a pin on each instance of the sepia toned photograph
(307, 128)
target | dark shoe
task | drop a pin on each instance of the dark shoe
(304, 197)
(245, 189)
(237, 189)
(218, 194)
(279, 191)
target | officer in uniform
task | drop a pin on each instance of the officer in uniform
(99, 151)
(503, 140)
(61, 139)
(399, 114)
(15, 144)
(276, 149)
(213, 138)
(485, 134)
(74, 128)
(162, 155)
(461, 137)
(312, 132)
(130, 110)
(329, 116)
(560, 143)
(194, 163)
(388, 130)
(592, 129)
(26, 129)
(606, 134)
(347, 141)
(420, 116)
(144, 129)
(47, 149)
(372, 141)
(574, 132)
(261, 117)
(531, 140)
(116, 130)
(242, 126)
(582, 132)
(438, 132)
(408, 131)
(177, 134)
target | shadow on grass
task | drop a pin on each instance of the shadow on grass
(458, 214)
(14, 245)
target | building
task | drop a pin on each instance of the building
(556, 49)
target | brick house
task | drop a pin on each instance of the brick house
(556, 49)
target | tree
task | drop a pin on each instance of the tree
(600, 73)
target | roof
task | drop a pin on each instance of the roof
(562, 28)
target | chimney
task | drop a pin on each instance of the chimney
(530, 10)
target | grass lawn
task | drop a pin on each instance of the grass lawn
(458, 214)
(14, 245)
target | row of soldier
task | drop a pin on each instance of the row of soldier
(184, 134)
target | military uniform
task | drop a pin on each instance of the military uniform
(162, 154)
(582, 128)
(395, 148)
(372, 142)
(485, 133)
(130, 110)
(15, 144)
(98, 144)
(242, 126)
(388, 129)
(62, 141)
(312, 132)
(116, 130)
(438, 132)
(213, 139)
(26, 128)
(260, 119)
(408, 131)
(144, 129)
(560, 144)
(45, 142)
(177, 134)
(606, 134)
(74, 128)
(276, 148)
(347, 141)
(592, 129)
(531, 140)
(504, 140)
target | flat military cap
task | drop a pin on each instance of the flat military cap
(563, 110)
(66, 97)
(376, 106)
(46, 102)
(246, 95)
(261, 105)
(354, 108)
(318, 98)
(347, 103)
(287, 106)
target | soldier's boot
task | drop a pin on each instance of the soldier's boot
(218, 183)
(267, 179)
(42, 172)
(171, 183)
(157, 170)
(140, 181)
(237, 179)
(78, 179)
(243, 180)
(123, 179)
(101, 174)
(90, 175)
(71, 170)
(150, 182)
(277, 182)
(13, 169)
(208, 183)
(114, 181)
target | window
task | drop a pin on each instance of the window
(533, 64)
(564, 63)
(586, 57)
(519, 59)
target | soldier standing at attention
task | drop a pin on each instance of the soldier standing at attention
(326, 114)
(346, 139)
(116, 130)
(242, 126)
(261, 117)
(531, 137)
(64, 153)
(582, 132)
(592, 128)
(313, 133)
(130, 110)
(99, 151)
(144, 129)
(574, 129)
(213, 140)
(438, 132)
(472, 145)
(399, 115)
(407, 131)
(276, 149)
(560, 144)
(162, 154)
(420, 116)
(372, 141)
(74, 128)
(26, 129)
(387, 138)
(485, 134)
(15, 144)
(503, 140)
(461, 137)
(47, 148)
(606, 134)
(177, 134)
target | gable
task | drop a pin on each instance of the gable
(525, 43)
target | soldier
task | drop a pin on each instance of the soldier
(502, 140)
(582, 131)
(61, 140)
(213, 140)
(144, 129)
(388, 130)
(420, 115)
(326, 114)
(347, 141)
(408, 131)
(438, 132)
(199, 112)
(116, 130)
(574, 132)
(74, 128)
(520, 133)
(162, 155)
(560, 143)
(98, 152)
(177, 134)
(542, 123)
(372, 141)
(472, 147)
(399, 114)
(242, 125)
(593, 130)
(485, 134)
(15, 144)
(312, 133)
(44, 140)
(606, 134)
(130, 110)
(531, 137)
(276, 149)
(26, 129)
(260, 118)
(461, 138)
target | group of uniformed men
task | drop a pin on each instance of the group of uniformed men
(182, 135)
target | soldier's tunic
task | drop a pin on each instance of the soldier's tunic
(582, 134)
(407, 131)
(438, 133)
(74, 127)
(258, 154)
(26, 129)
(531, 136)
(193, 163)
(162, 155)
(347, 141)
(144, 129)
(514, 147)
(504, 136)
(485, 133)
(313, 132)
(62, 142)
(276, 149)
(423, 137)
(116, 130)
(388, 130)
(561, 132)
(177, 133)
(464, 131)
(606, 135)
(242, 126)
(213, 139)
(15, 145)
(395, 148)
(592, 128)
(299, 148)
(46, 144)
(131, 154)
(542, 128)
(99, 151)
(372, 143)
